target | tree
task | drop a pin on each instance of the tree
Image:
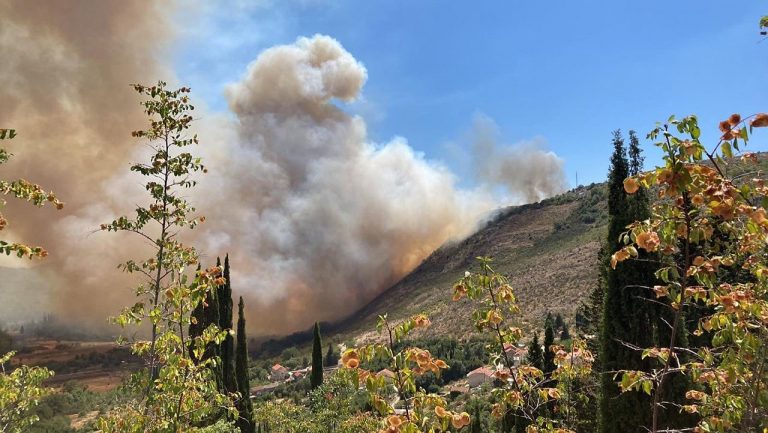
(625, 318)
(331, 359)
(535, 356)
(565, 334)
(173, 393)
(549, 356)
(20, 391)
(224, 293)
(524, 389)
(244, 404)
(706, 226)
(559, 322)
(316, 377)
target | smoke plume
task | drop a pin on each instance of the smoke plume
(320, 220)
(528, 172)
(317, 219)
(65, 74)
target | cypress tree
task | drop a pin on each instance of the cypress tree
(330, 357)
(629, 315)
(565, 334)
(316, 378)
(549, 356)
(206, 313)
(244, 406)
(618, 411)
(225, 323)
(559, 322)
(535, 356)
(196, 325)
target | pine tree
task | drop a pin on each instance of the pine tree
(225, 323)
(244, 405)
(535, 356)
(316, 378)
(549, 356)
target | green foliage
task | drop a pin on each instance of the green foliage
(244, 404)
(316, 376)
(227, 347)
(338, 405)
(549, 356)
(705, 227)
(175, 393)
(630, 318)
(331, 358)
(535, 355)
(20, 391)
(525, 391)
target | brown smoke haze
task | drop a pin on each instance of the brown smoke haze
(316, 218)
(65, 74)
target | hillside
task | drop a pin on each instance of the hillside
(547, 249)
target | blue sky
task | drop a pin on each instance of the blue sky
(568, 72)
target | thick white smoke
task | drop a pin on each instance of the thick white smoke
(318, 219)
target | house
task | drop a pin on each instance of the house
(515, 354)
(387, 374)
(480, 376)
(279, 373)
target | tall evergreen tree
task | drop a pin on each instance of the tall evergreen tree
(549, 356)
(206, 313)
(225, 323)
(559, 322)
(535, 356)
(628, 315)
(330, 359)
(244, 405)
(316, 378)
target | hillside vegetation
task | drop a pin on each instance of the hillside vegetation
(548, 250)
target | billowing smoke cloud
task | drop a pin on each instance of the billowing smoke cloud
(317, 219)
(528, 172)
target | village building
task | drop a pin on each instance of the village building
(279, 373)
(480, 376)
(387, 374)
(515, 354)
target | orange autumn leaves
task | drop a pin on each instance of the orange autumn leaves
(706, 190)
(405, 365)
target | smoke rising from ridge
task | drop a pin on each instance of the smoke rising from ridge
(527, 170)
(329, 219)
(317, 219)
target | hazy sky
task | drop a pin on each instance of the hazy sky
(565, 72)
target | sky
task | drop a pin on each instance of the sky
(562, 73)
